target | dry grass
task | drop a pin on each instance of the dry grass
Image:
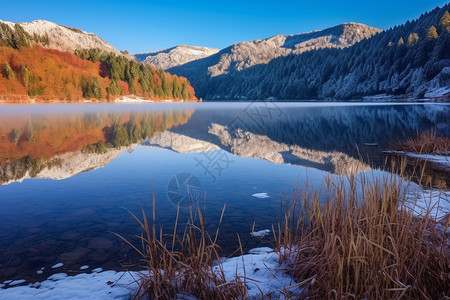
(359, 240)
(364, 242)
(184, 266)
(424, 143)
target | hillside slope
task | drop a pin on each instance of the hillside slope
(30, 72)
(244, 55)
(174, 56)
(63, 38)
(410, 60)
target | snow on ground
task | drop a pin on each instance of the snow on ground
(417, 198)
(196, 52)
(132, 100)
(261, 195)
(436, 202)
(261, 268)
(379, 97)
(95, 286)
(437, 92)
(440, 159)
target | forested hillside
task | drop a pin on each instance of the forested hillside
(412, 59)
(29, 71)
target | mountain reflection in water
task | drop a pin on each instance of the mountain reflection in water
(67, 172)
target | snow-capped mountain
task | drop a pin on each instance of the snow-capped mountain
(175, 56)
(246, 54)
(63, 38)
(346, 61)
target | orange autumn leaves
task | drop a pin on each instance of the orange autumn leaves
(44, 136)
(51, 75)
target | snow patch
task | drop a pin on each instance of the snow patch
(261, 195)
(260, 233)
(57, 276)
(196, 52)
(263, 272)
(93, 286)
(437, 92)
(436, 202)
(132, 100)
(439, 159)
(17, 282)
(84, 267)
(261, 268)
(58, 265)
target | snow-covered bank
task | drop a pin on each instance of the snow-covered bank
(132, 100)
(440, 159)
(261, 268)
(435, 202)
(141, 100)
(102, 285)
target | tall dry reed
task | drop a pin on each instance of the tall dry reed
(184, 266)
(361, 240)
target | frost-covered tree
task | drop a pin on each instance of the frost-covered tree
(372, 66)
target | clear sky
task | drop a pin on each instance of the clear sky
(141, 26)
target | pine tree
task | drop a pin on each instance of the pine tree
(20, 37)
(412, 39)
(113, 89)
(8, 72)
(400, 41)
(432, 33)
(445, 21)
(25, 75)
(91, 88)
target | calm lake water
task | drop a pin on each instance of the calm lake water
(69, 172)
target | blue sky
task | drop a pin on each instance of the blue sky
(140, 26)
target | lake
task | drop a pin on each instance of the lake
(70, 172)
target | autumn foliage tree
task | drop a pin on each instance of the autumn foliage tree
(432, 33)
(140, 78)
(28, 70)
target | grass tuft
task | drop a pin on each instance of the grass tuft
(184, 266)
(425, 143)
(362, 241)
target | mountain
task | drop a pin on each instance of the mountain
(174, 56)
(243, 55)
(75, 65)
(412, 59)
(63, 38)
(61, 146)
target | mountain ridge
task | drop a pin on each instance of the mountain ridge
(174, 56)
(411, 59)
(64, 38)
(242, 55)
